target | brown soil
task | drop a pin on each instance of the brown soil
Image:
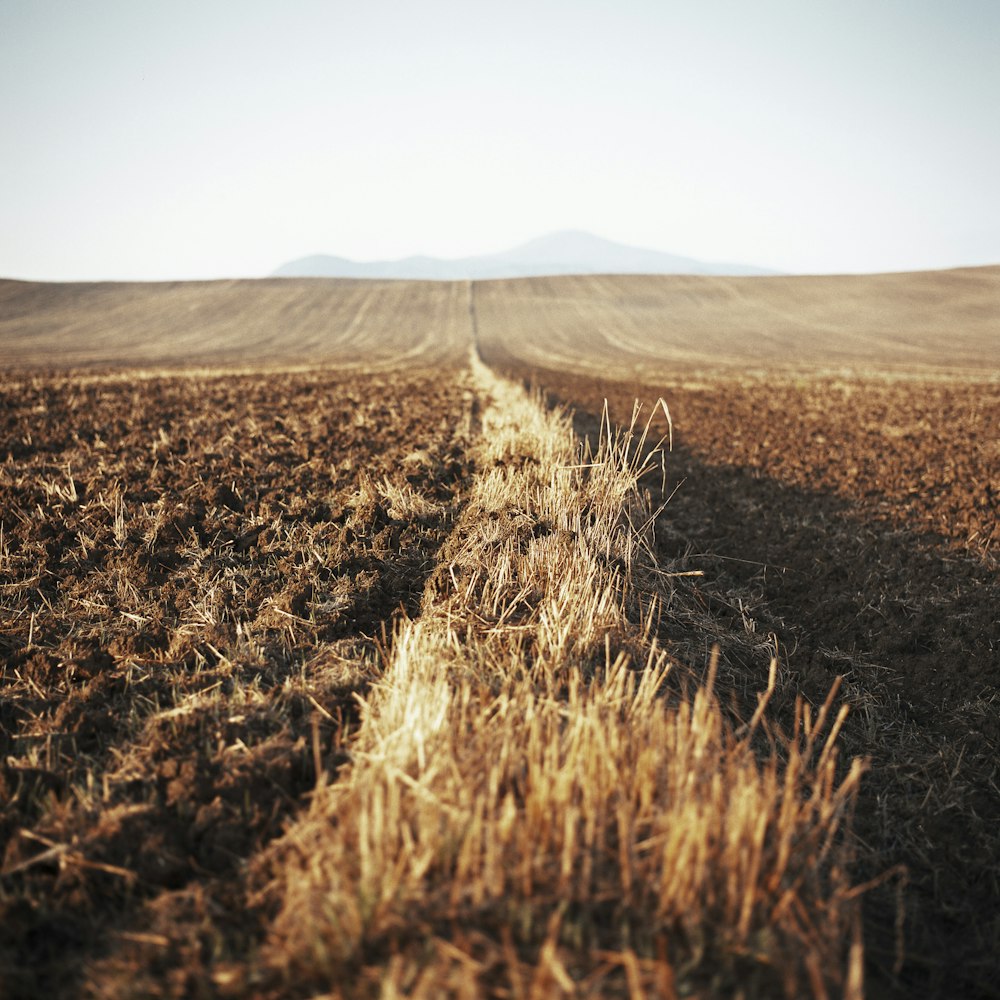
(197, 574)
(856, 519)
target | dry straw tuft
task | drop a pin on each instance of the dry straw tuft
(529, 811)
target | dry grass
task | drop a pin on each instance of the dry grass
(484, 722)
(530, 811)
(872, 556)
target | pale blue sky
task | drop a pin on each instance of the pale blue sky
(184, 139)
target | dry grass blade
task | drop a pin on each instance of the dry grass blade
(521, 772)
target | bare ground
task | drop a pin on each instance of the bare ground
(199, 572)
(195, 573)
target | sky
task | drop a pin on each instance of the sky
(155, 140)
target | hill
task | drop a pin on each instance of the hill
(231, 323)
(568, 252)
(631, 324)
(585, 323)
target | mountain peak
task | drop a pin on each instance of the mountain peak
(568, 251)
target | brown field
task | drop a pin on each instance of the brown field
(856, 521)
(942, 320)
(332, 666)
(192, 567)
(201, 324)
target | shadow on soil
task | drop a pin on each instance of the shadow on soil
(912, 626)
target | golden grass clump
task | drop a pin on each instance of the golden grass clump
(527, 812)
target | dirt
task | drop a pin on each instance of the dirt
(197, 576)
(856, 520)
(199, 573)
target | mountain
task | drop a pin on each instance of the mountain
(569, 252)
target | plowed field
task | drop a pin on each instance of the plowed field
(857, 522)
(197, 576)
(200, 324)
(632, 325)
(330, 666)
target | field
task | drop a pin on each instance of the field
(283, 322)
(337, 661)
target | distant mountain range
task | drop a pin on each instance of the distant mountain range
(569, 252)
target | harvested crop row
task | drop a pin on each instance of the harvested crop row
(530, 807)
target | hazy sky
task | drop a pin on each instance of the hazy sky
(155, 139)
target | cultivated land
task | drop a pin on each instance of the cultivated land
(333, 665)
(628, 326)
(281, 321)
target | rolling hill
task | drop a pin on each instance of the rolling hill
(915, 321)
